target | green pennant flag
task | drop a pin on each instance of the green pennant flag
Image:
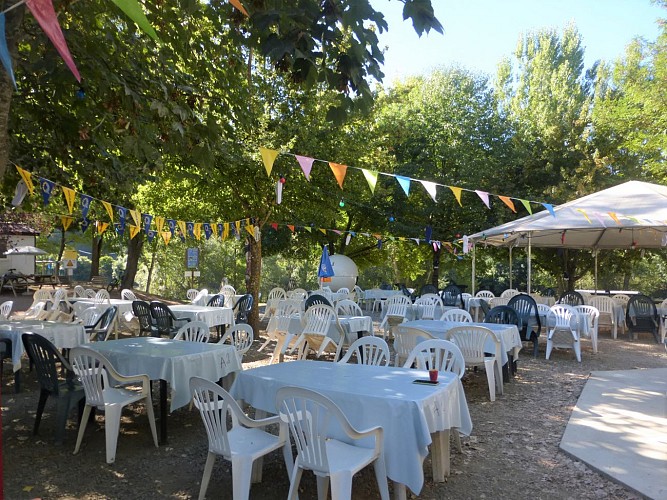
(133, 10)
(526, 204)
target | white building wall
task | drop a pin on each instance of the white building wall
(22, 263)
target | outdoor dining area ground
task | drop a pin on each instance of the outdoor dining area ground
(512, 451)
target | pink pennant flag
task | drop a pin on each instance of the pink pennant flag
(306, 165)
(46, 17)
(484, 196)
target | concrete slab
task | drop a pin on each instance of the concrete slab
(619, 427)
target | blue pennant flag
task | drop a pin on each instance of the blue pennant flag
(147, 219)
(150, 235)
(46, 187)
(85, 204)
(326, 269)
(84, 224)
(550, 208)
(172, 226)
(190, 229)
(405, 184)
(207, 230)
(122, 215)
(4, 51)
(429, 233)
(221, 229)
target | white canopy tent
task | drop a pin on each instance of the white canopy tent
(630, 215)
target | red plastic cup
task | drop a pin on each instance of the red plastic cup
(433, 375)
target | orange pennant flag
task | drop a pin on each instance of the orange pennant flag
(291, 227)
(225, 231)
(107, 207)
(613, 216)
(339, 172)
(457, 193)
(251, 229)
(508, 201)
(239, 6)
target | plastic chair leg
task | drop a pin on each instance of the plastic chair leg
(381, 477)
(208, 468)
(323, 487)
(341, 485)
(151, 419)
(549, 348)
(490, 377)
(63, 407)
(82, 428)
(111, 430)
(293, 493)
(241, 474)
(43, 396)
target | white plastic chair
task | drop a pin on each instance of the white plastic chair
(311, 418)
(622, 299)
(509, 293)
(193, 331)
(437, 354)
(368, 351)
(35, 311)
(41, 295)
(275, 295)
(280, 332)
(593, 316)
(297, 293)
(663, 320)
(605, 306)
(317, 320)
(228, 292)
(241, 443)
(427, 306)
(96, 373)
(127, 294)
(58, 296)
(241, 336)
(191, 294)
(485, 294)
(89, 316)
(342, 294)
(562, 334)
(347, 307)
(458, 315)
(6, 308)
(498, 301)
(101, 297)
(90, 293)
(359, 296)
(471, 341)
(200, 298)
(397, 308)
(79, 291)
(405, 340)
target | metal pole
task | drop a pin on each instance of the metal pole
(596, 271)
(511, 266)
(530, 258)
(473, 272)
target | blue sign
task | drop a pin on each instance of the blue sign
(192, 258)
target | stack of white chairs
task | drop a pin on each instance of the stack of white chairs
(397, 309)
(317, 320)
(562, 334)
(427, 303)
(592, 317)
(275, 295)
(605, 306)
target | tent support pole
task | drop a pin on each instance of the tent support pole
(530, 258)
(511, 267)
(596, 271)
(472, 284)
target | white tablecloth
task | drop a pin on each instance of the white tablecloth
(174, 361)
(62, 335)
(212, 316)
(371, 396)
(508, 335)
(203, 300)
(82, 304)
(352, 326)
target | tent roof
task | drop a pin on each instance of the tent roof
(633, 212)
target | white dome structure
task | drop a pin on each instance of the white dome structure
(345, 273)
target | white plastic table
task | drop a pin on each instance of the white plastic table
(412, 416)
(170, 361)
(212, 316)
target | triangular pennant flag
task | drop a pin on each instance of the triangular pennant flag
(508, 201)
(291, 227)
(84, 225)
(308, 228)
(27, 178)
(457, 193)
(207, 230)
(85, 202)
(20, 192)
(107, 207)
(181, 226)
(237, 229)
(527, 206)
(151, 235)
(190, 229)
(136, 217)
(268, 157)
(197, 230)
(147, 220)
(324, 231)
(405, 184)
(221, 227)
(613, 216)
(46, 187)
(348, 238)
(101, 227)
(416, 240)
(122, 216)
(339, 172)
(69, 198)
(134, 11)
(134, 230)
(4, 51)
(484, 196)
(337, 232)
(239, 6)
(371, 178)
(46, 17)
(171, 223)
(306, 165)
(66, 221)
(430, 188)
(251, 229)
(598, 216)
(225, 233)
(583, 212)
(159, 223)
(550, 208)
(274, 225)
(166, 236)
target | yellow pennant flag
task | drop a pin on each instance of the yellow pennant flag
(371, 178)
(136, 217)
(134, 230)
(225, 231)
(508, 201)
(584, 214)
(339, 172)
(101, 227)
(70, 194)
(197, 230)
(166, 236)
(67, 221)
(268, 157)
(107, 207)
(324, 231)
(181, 226)
(27, 178)
(237, 225)
(613, 216)
(159, 223)
(457, 193)
(250, 229)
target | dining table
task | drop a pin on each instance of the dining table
(173, 363)
(212, 316)
(62, 335)
(413, 416)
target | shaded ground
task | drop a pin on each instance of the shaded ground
(512, 452)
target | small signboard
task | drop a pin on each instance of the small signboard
(192, 258)
(69, 263)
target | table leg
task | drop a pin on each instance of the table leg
(400, 491)
(17, 381)
(440, 455)
(163, 412)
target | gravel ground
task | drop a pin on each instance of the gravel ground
(512, 452)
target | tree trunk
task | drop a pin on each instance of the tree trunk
(95, 256)
(60, 252)
(253, 279)
(151, 267)
(13, 32)
(134, 248)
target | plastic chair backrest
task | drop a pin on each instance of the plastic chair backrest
(6, 308)
(592, 313)
(191, 294)
(163, 317)
(41, 295)
(368, 351)
(407, 337)
(44, 355)
(91, 368)
(503, 315)
(603, 303)
(101, 328)
(526, 308)
(397, 305)
(621, 298)
(217, 300)
(509, 293)
(641, 307)
(127, 294)
(193, 331)
(142, 310)
(561, 315)
(243, 307)
(437, 354)
(571, 298)
(316, 299)
(241, 336)
(89, 316)
(433, 298)
(458, 315)
(485, 294)
(451, 296)
(277, 293)
(102, 296)
(428, 289)
(470, 340)
(90, 293)
(79, 291)
(347, 307)
(318, 319)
